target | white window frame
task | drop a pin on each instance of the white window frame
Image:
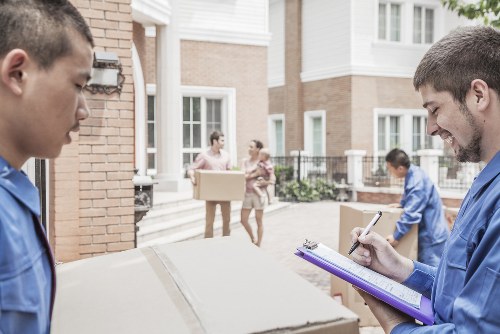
(151, 91)
(228, 117)
(406, 129)
(407, 14)
(308, 142)
(388, 21)
(422, 37)
(272, 132)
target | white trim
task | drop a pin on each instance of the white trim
(362, 70)
(220, 36)
(151, 89)
(276, 82)
(150, 12)
(140, 113)
(229, 117)
(272, 132)
(308, 144)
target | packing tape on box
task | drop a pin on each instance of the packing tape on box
(172, 281)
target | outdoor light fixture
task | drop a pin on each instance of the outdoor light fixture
(107, 74)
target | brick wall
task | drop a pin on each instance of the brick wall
(377, 92)
(92, 195)
(333, 96)
(243, 67)
(294, 120)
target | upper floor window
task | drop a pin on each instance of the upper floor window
(423, 25)
(389, 22)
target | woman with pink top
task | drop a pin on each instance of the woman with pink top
(252, 199)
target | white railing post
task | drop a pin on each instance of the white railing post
(355, 167)
(429, 162)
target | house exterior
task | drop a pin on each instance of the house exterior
(340, 74)
(189, 67)
(199, 66)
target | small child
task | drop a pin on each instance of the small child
(263, 172)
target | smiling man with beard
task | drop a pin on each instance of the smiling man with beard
(459, 81)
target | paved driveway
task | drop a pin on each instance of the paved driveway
(287, 229)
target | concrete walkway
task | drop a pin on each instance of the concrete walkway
(286, 230)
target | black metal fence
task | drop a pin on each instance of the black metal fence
(330, 170)
(453, 175)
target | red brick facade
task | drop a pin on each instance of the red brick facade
(91, 190)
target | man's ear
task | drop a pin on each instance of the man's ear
(480, 90)
(13, 70)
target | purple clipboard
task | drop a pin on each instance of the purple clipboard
(424, 314)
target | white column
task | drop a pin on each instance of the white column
(429, 162)
(169, 106)
(355, 167)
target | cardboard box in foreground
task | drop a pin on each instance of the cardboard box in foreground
(360, 214)
(212, 185)
(213, 286)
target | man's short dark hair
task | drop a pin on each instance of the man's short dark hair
(40, 27)
(397, 157)
(258, 143)
(215, 136)
(457, 59)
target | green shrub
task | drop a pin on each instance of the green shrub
(301, 191)
(325, 190)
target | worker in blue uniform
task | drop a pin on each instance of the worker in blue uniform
(45, 61)
(459, 81)
(421, 205)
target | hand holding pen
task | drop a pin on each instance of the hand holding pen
(366, 230)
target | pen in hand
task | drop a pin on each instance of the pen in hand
(365, 232)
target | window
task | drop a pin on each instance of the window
(151, 134)
(423, 25)
(403, 128)
(389, 22)
(314, 132)
(201, 116)
(277, 134)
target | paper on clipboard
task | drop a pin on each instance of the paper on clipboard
(380, 286)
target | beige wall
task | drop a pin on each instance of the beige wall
(228, 65)
(333, 96)
(91, 190)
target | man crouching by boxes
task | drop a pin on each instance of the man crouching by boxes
(215, 158)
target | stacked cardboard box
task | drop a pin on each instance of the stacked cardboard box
(360, 214)
(213, 286)
(214, 185)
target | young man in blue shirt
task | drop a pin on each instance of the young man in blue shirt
(459, 81)
(422, 205)
(45, 61)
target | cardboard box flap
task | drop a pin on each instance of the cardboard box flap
(117, 293)
(269, 297)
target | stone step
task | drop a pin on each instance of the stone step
(159, 215)
(184, 228)
(165, 225)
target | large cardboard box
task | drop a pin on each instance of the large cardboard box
(213, 286)
(212, 185)
(360, 214)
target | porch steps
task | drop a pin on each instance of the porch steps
(176, 217)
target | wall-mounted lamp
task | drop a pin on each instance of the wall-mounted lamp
(107, 74)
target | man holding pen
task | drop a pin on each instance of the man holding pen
(459, 81)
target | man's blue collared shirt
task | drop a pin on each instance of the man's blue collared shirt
(466, 285)
(25, 272)
(422, 205)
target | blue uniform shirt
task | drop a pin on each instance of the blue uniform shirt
(26, 271)
(422, 205)
(466, 285)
